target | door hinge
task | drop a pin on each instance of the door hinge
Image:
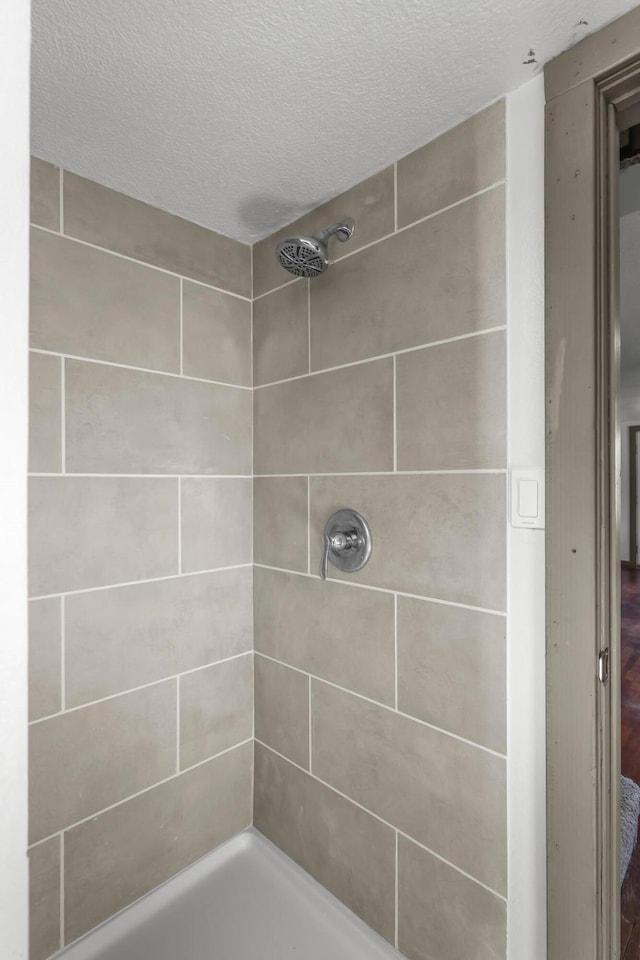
(603, 665)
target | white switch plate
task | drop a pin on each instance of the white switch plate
(527, 498)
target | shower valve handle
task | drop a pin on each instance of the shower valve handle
(346, 541)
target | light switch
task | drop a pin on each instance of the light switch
(527, 498)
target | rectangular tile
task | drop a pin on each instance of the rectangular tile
(126, 421)
(370, 203)
(442, 915)
(282, 709)
(281, 333)
(440, 536)
(117, 857)
(439, 279)
(341, 634)
(216, 335)
(216, 522)
(93, 531)
(45, 194)
(85, 760)
(110, 219)
(45, 413)
(45, 654)
(89, 303)
(444, 793)
(346, 849)
(461, 162)
(451, 404)
(331, 422)
(216, 709)
(281, 522)
(124, 637)
(452, 670)
(44, 899)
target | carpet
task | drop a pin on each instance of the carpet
(629, 812)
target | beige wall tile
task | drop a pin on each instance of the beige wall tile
(126, 421)
(93, 531)
(369, 203)
(327, 423)
(440, 536)
(452, 670)
(216, 331)
(216, 709)
(451, 405)
(115, 858)
(44, 899)
(336, 632)
(45, 194)
(350, 852)
(112, 220)
(462, 161)
(88, 759)
(282, 709)
(442, 915)
(45, 624)
(281, 334)
(216, 522)
(125, 637)
(439, 790)
(440, 279)
(281, 522)
(45, 413)
(88, 303)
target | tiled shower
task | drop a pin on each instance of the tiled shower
(196, 416)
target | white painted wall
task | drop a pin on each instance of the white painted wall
(14, 261)
(525, 548)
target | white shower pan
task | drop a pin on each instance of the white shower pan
(244, 901)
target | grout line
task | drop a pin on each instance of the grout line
(383, 706)
(310, 728)
(62, 932)
(415, 223)
(154, 476)
(385, 356)
(309, 322)
(493, 471)
(387, 590)
(61, 202)
(177, 724)
(396, 230)
(63, 659)
(309, 524)
(380, 819)
(142, 686)
(134, 583)
(181, 327)
(179, 525)
(395, 196)
(396, 903)
(133, 796)
(63, 416)
(142, 263)
(280, 286)
(395, 644)
(395, 419)
(129, 366)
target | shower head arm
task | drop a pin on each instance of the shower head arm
(342, 230)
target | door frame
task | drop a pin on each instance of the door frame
(633, 499)
(589, 91)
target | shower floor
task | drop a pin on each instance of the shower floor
(244, 901)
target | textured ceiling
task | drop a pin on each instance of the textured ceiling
(241, 115)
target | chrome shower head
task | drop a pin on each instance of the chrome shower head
(309, 256)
